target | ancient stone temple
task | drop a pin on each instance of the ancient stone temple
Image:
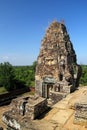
(57, 72)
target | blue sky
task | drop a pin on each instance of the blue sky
(23, 24)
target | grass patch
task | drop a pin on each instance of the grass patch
(3, 90)
(28, 93)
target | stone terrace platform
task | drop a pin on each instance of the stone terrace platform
(60, 117)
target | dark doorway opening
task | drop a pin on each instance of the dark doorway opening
(61, 77)
(46, 88)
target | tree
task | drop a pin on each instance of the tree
(83, 79)
(7, 76)
(34, 65)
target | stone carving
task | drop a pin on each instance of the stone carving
(57, 69)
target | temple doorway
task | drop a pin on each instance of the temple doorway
(46, 89)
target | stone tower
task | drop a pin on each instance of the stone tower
(57, 72)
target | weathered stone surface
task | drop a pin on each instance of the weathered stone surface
(57, 69)
(28, 108)
(60, 113)
(56, 97)
(12, 120)
(80, 116)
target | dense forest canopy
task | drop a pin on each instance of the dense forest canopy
(26, 74)
(16, 77)
(83, 79)
(7, 75)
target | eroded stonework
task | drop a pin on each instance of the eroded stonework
(57, 71)
(24, 109)
(80, 116)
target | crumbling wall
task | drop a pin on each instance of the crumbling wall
(27, 108)
(56, 97)
(80, 116)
